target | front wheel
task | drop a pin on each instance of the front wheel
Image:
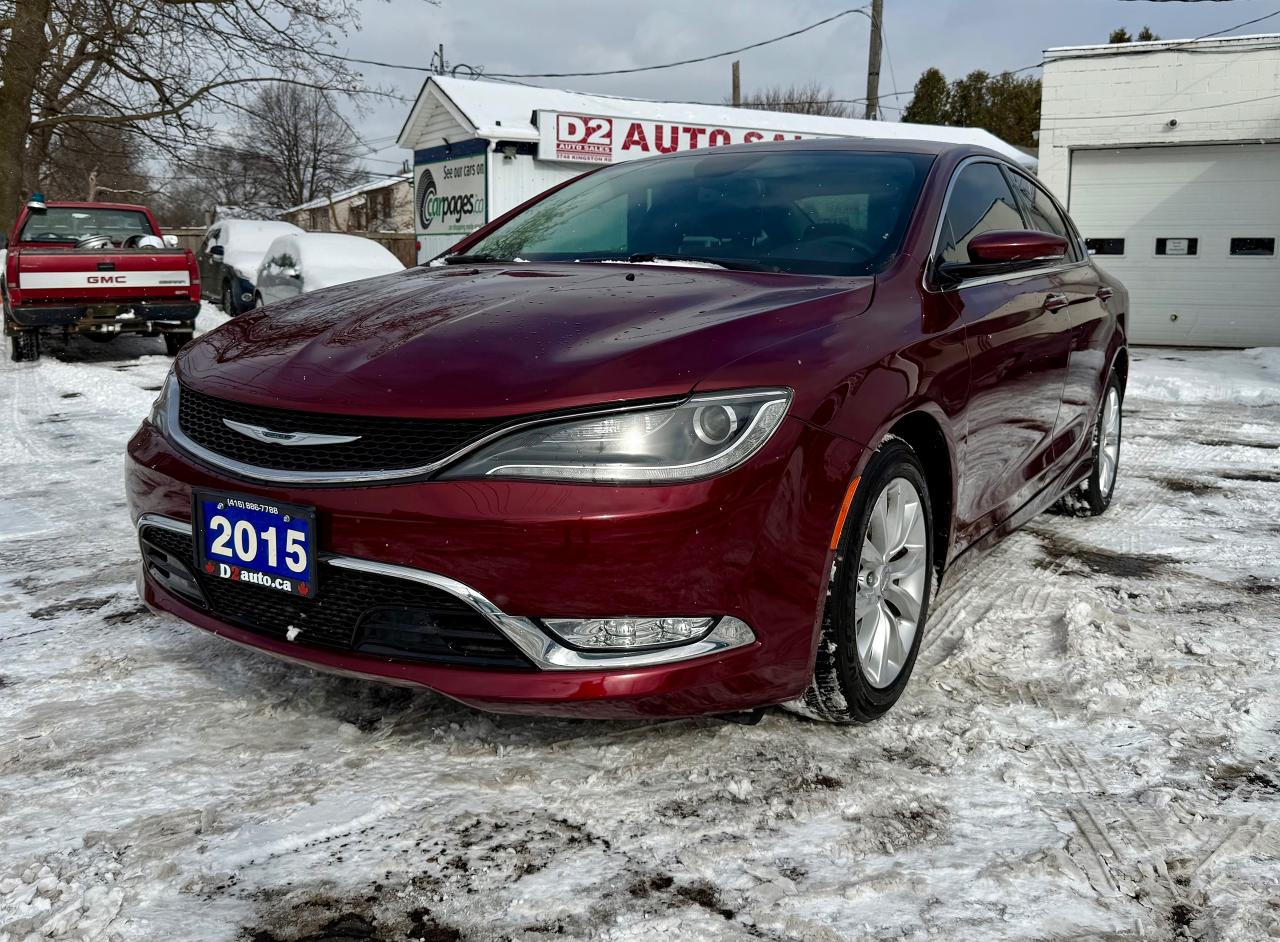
(228, 302)
(1092, 496)
(878, 596)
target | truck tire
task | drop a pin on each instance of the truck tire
(176, 340)
(24, 346)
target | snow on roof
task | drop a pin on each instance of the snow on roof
(501, 110)
(1265, 40)
(352, 191)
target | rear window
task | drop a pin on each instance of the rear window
(811, 212)
(69, 224)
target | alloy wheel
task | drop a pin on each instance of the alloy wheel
(892, 578)
(1109, 440)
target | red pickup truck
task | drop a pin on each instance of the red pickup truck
(97, 270)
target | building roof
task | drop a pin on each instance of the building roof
(1233, 43)
(503, 111)
(350, 192)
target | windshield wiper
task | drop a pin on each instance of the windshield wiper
(732, 264)
(472, 259)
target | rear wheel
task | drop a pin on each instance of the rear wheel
(24, 346)
(878, 595)
(176, 340)
(1092, 496)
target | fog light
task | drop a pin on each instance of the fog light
(604, 634)
(246, 296)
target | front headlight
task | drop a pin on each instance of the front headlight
(159, 414)
(703, 436)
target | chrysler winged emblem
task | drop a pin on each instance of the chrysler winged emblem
(272, 437)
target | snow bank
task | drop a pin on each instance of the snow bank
(1248, 377)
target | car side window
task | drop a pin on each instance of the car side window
(1042, 214)
(210, 240)
(980, 201)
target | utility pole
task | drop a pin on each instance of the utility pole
(438, 60)
(873, 60)
(737, 85)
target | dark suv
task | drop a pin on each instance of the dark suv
(229, 258)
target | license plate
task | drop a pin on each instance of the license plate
(256, 541)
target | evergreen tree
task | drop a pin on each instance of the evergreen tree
(930, 101)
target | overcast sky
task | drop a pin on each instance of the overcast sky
(957, 36)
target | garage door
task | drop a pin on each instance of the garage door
(1193, 233)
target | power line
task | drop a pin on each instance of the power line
(692, 61)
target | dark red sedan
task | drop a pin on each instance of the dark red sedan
(687, 435)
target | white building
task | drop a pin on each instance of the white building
(481, 148)
(1167, 154)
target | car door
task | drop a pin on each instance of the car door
(1086, 318)
(209, 281)
(1018, 351)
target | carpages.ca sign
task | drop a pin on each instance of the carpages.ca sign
(449, 195)
(601, 139)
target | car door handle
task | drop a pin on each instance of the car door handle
(1106, 294)
(1055, 302)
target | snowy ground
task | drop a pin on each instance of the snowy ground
(1088, 749)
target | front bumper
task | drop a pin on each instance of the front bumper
(750, 545)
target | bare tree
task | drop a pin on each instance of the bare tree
(803, 98)
(308, 149)
(160, 68)
(96, 162)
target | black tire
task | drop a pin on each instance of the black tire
(24, 346)
(258, 303)
(176, 340)
(229, 301)
(840, 691)
(1092, 496)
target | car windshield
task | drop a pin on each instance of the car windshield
(70, 223)
(810, 212)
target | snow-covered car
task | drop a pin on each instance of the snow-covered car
(308, 261)
(229, 258)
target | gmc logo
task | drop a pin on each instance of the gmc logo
(106, 279)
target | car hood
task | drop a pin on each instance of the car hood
(503, 340)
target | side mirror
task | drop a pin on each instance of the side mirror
(217, 251)
(170, 241)
(1017, 245)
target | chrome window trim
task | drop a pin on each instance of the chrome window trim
(276, 476)
(930, 288)
(545, 652)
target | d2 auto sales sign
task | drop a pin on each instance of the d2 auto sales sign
(604, 140)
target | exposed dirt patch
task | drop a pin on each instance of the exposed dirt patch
(1264, 477)
(1105, 562)
(1237, 443)
(72, 395)
(704, 894)
(1240, 781)
(353, 922)
(69, 606)
(1188, 486)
